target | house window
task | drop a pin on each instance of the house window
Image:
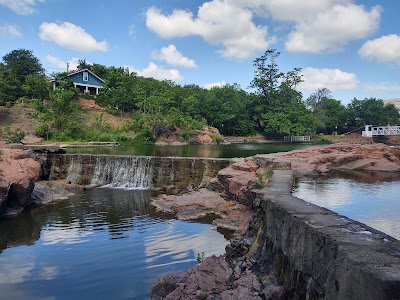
(85, 76)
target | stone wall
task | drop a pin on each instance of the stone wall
(318, 254)
(167, 173)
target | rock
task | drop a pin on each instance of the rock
(208, 135)
(31, 139)
(201, 203)
(18, 173)
(274, 292)
(342, 156)
(207, 279)
(49, 191)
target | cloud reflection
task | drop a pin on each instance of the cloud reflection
(181, 245)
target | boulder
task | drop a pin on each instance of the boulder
(31, 139)
(18, 173)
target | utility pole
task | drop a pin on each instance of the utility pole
(67, 66)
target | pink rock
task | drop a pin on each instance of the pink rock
(31, 139)
(18, 173)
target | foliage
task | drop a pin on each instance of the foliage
(200, 257)
(35, 86)
(262, 176)
(12, 135)
(330, 114)
(277, 108)
(372, 111)
(16, 68)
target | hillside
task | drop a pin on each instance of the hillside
(25, 117)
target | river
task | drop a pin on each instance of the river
(101, 244)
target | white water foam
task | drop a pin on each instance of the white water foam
(134, 173)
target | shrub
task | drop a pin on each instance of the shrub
(12, 135)
(262, 177)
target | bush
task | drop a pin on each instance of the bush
(12, 135)
(262, 177)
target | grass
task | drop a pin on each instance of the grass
(262, 177)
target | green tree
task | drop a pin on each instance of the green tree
(22, 63)
(277, 107)
(372, 111)
(330, 114)
(62, 110)
(36, 87)
(10, 88)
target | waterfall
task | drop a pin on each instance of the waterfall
(75, 169)
(124, 172)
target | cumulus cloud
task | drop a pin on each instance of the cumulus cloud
(70, 36)
(332, 79)
(62, 65)
(21, 7)
(156, 72)
(173, 57)
(333, 28)
(384, 49)
(382, 87)
(288, 10)
(9, 30)
(211, 85)
(217, 22)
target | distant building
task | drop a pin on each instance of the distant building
(86, 81)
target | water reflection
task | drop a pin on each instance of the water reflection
(225, 151)
(101, 244)
(364, 197)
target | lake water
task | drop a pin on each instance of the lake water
(370, 199)
(103, 244)
(222, 151)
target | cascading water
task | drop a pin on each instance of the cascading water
(124, 172)
(75, 169)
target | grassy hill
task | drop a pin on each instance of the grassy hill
(24, 117)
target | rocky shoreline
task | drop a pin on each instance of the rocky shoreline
(239, 274)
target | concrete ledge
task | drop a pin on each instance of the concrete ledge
(338, 258)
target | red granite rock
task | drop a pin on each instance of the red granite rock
(18, 173)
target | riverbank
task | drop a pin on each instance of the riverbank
(293, 250)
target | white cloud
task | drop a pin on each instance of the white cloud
(384, 49)
(288, 10)
(332, 79)
(157, 72)
(9, 30)
(21, 7)
(333, 28)
(131, 30)
(70, 36)
(211, 85)
(62, 65)
(217, 22)
(382, 87)
(173, 57)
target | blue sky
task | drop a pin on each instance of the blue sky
(349, 47)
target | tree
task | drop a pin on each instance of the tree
(277, 107)
(330, 114)
(372, 111)
(36, 87)
(10, 88)
(22, 63)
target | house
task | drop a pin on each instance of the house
(86, 81)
